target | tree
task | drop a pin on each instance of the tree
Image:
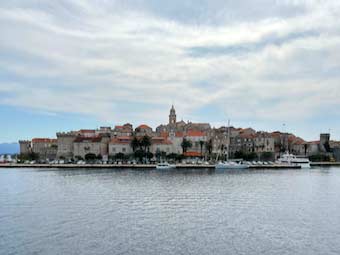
(267, 156)
(90, 157)
(246, 156)
(149, 155)
(160, 154)
(145, 143)
(201, 146)
(135, 143)
(186, 144)
(28, 156)
(79, 158)
(172, 156)
(139, 154)
(209, 146)
(120, 155)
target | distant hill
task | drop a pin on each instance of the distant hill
(9, 148)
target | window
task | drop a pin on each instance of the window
(124, 150)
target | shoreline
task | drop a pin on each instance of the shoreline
(152, 166)
(139, 166)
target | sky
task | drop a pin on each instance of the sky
(66, 65)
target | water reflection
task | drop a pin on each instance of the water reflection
(186, 211)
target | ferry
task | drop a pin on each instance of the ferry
(290, 159)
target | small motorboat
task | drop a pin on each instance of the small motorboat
(165, 166)
(230, 165)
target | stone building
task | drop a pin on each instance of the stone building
(161, 144)
(181, 126)
(198, 140)
(65, 144)
(97, 145)
(25, 146)
(125, 130)
(104, 131)
(120, 144)
(264, 142)
(297, 146)
(143, 130)
(46, 148)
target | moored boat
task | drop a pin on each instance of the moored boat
(230, 165)
(165, 166)
(290, 159)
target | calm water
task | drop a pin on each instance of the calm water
(182, 212)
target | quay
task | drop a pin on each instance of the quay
(325, 164)
(133, 166)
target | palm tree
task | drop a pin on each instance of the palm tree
(209, 146)
(135, 143)
(186, 144)
(145, 143)
(201, 146)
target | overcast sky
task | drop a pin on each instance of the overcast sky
(83, 64)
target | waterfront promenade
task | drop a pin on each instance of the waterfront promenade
(153, 166)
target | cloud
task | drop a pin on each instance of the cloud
(131, 59)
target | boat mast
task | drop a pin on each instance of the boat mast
(228, 140)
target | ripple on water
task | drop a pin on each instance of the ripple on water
(180, 212)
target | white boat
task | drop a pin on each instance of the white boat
(230, 165)
(290, 159)
(165, 166)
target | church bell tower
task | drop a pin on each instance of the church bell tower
(172, 116)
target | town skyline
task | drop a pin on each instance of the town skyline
(174, 139)
(281, 127)
(66, 65)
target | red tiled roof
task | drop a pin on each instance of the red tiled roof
(121, 140)
(247, 136)
(195, 133)
(179, 134)
(143, 126)
(164, 134)
(44, 140)
(124, 137)
(119, 127)
(81, 139)
(160, 140)
(192, 154)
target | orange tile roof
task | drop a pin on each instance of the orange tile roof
(160, 140)
(179, 134)
(192, 154)
(195, 133)
(143, 126)
(121, 140)
(164, 134)
(247, 136)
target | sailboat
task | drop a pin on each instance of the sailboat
(229, 164)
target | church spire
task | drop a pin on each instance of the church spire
(172, 116)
